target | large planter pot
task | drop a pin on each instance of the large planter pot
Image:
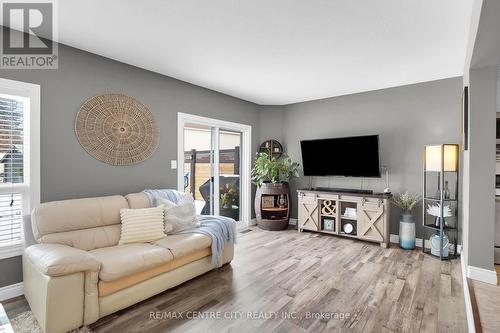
(407, 232)
(230, 212)
(276, 217)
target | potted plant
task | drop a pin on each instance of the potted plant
(406, 201)
(271, 175)
(229, 201)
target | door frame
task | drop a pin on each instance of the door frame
(246, 156)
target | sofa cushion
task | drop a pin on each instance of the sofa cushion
(76, 214)
(141, 225)
(179, 216)
(59, 260)
(85, 239)
(184, 244)
(138, 200)
(110, 287)
(122, 260)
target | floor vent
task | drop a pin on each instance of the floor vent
(245, 231)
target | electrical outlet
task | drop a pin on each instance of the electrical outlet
(173, 164)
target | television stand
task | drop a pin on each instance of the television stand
(345, 213)
(342, 190)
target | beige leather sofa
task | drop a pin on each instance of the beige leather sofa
(77, 273)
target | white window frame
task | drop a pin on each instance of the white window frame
(246, 156)
(30, 188)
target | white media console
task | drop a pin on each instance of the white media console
(356, 215)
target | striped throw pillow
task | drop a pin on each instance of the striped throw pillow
(141, 225)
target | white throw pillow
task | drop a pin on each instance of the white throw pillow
(180, 216)
(141, 225)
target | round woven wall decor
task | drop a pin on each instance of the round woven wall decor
(116, 129)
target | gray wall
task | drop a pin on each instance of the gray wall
(271, 122)
(481, 167)
(67, 171)
(406, 118)
(479, 164)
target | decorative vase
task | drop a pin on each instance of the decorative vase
(407, 231)
(435, 240)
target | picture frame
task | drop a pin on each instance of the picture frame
(329, 224)
(267, 201)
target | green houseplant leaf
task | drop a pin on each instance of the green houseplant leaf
(272, 170)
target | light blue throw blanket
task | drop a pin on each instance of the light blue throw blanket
(221, 229)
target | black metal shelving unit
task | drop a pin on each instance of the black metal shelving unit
(441, 227)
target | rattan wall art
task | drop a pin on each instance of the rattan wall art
(117, 129)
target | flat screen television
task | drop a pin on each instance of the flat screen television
(356, 156)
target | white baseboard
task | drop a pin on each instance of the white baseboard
(418, 242)
(481, 274)
(395, 239)
(468, 303)
(11, 291)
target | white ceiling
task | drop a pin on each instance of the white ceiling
(277, 51)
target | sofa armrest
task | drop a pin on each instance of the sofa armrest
(59, 259)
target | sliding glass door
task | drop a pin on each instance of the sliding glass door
(211, 168)
(229, 143)
(198, 166)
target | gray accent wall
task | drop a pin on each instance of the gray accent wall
(271, 122)
(406, 118)
(67, 171)
(481, 167)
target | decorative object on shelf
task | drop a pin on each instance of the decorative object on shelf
(117, 129)
(272, 148)
(268, 201)
(435, 210)
(350, 213)
(434, 241)
(387, 190)
(271, 175)
(348, 228)
(282, 201)
(446, 190)
(329, 224)
(407, 201)
(440, 207)
(328, 208)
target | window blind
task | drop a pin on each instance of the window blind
(11, 169)
(11, 218)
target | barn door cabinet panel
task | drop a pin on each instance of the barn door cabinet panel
(361, 216)
(308, 212)
(372, 221)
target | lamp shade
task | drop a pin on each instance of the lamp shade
(441, 157)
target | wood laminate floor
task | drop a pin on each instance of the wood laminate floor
(306, 282)
(488, 304)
